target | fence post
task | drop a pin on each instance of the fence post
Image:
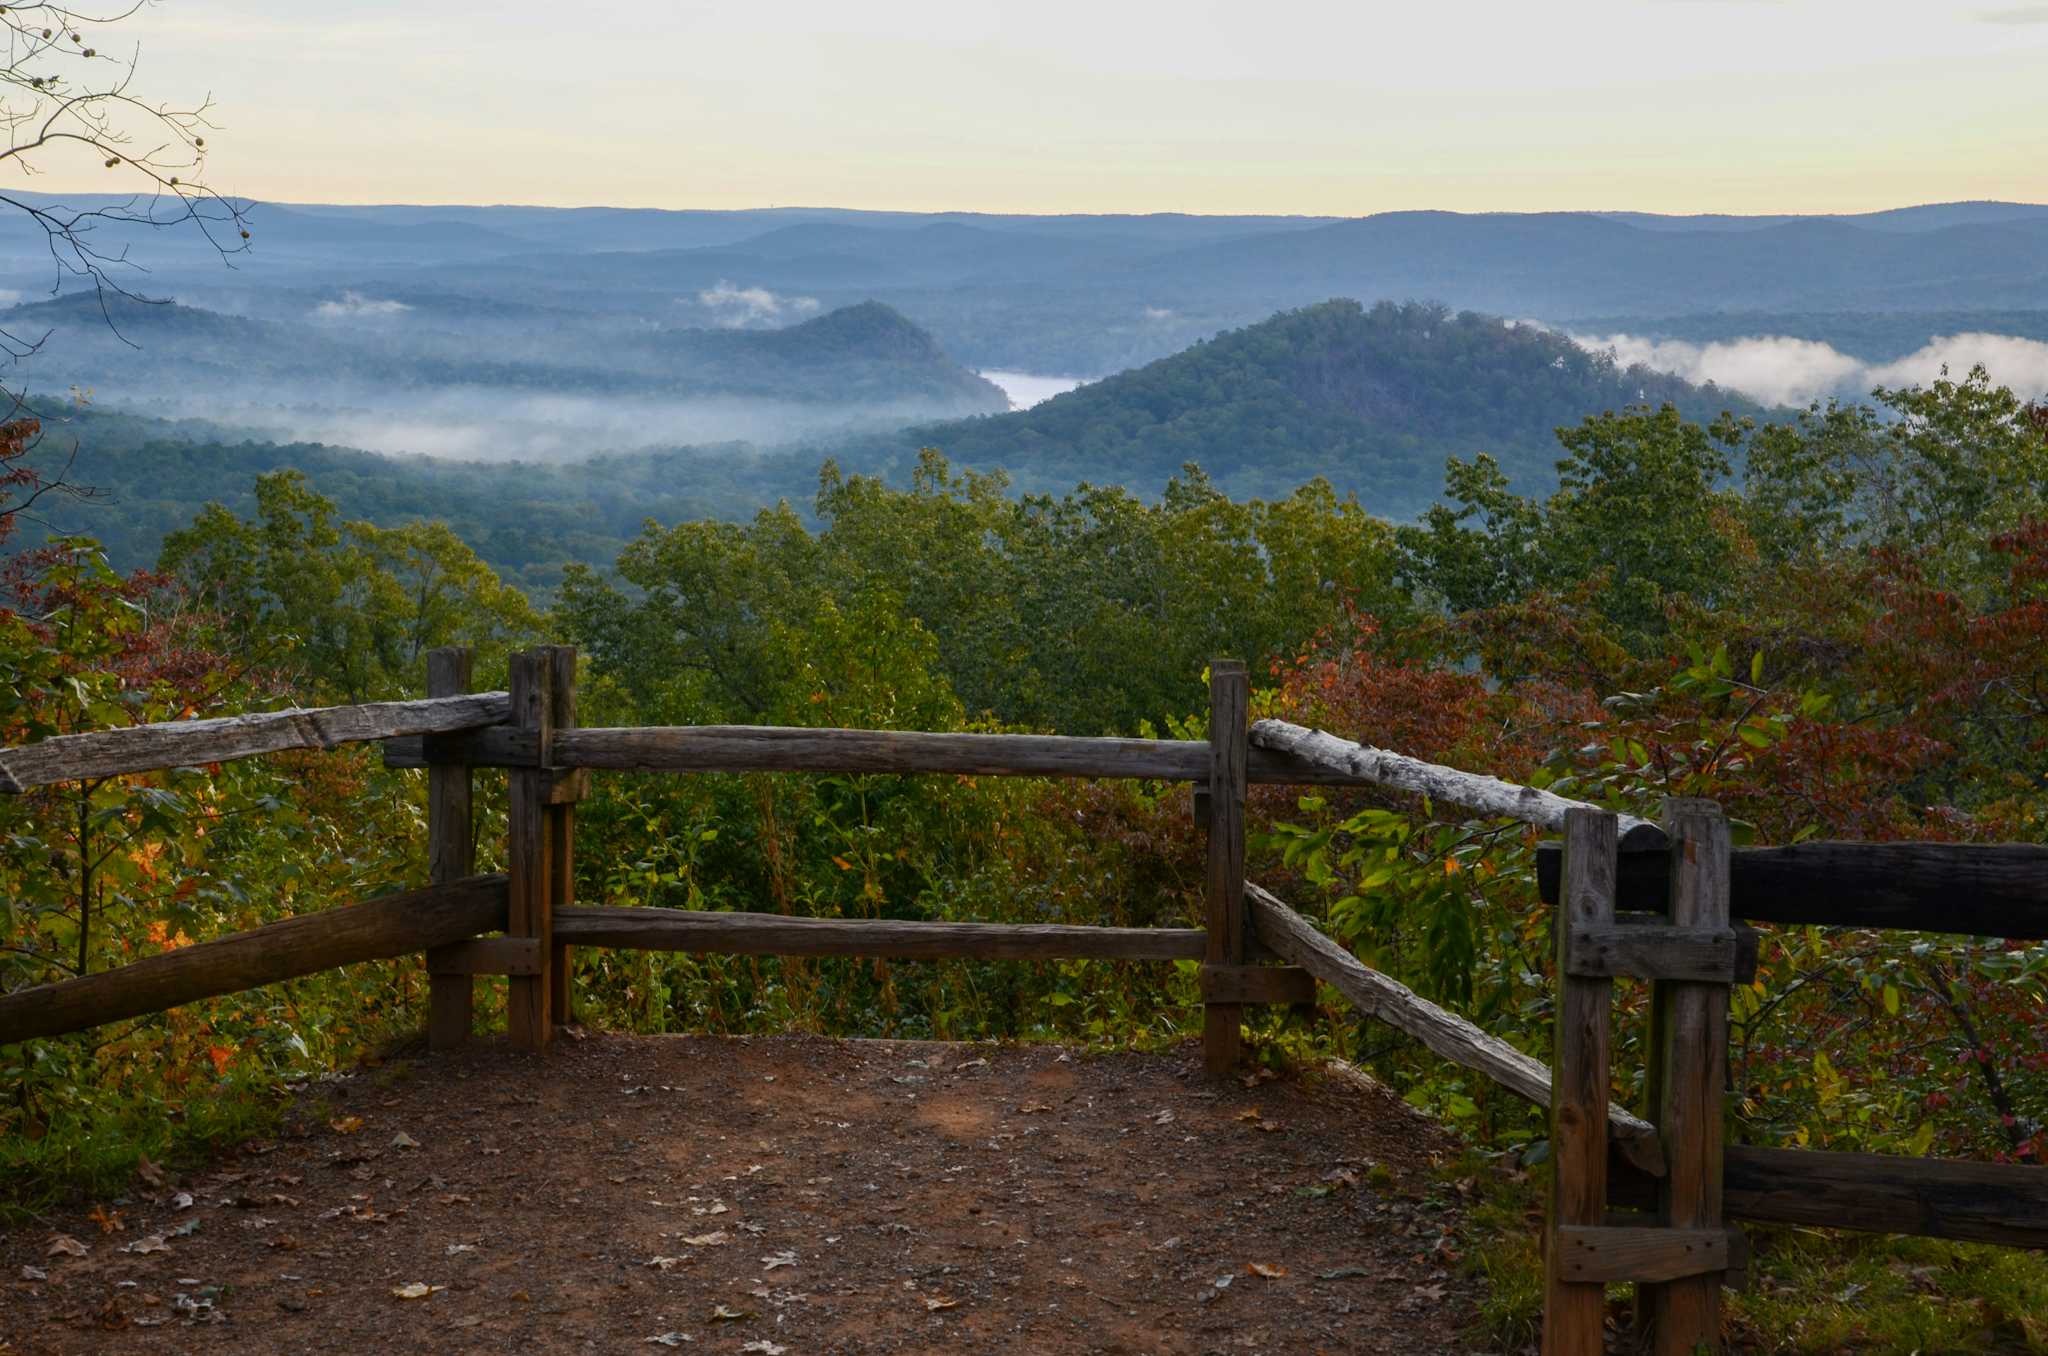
(1574, 1313)
(1229, 744)
(1688, 1068)
(563, 792)
(451, 853)
(530, 875)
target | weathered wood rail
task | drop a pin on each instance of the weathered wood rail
(1636, 898)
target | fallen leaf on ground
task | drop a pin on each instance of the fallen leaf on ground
(401, 1140)
(1344, 1273)
(468, 1321)
(1251, 1113)
(938, 1302)
(718, 1238)
(1266, 1269)
(664, 1263)
(108, 1220)
(417, 1290)
(765, 1347)
(1032, 1108)
(1270, 1126)
(34, 1274)
(346, 1125)
(669, 1339)
(779, 1259)
(64, 1245)
(454, 1248)
(148, 1171)
(725, 1313)
(1163, 1118)
(153, 1243)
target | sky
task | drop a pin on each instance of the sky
(1282, 106)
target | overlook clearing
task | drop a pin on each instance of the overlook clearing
(1651, 1200)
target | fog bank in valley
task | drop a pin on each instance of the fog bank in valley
(1781, 370)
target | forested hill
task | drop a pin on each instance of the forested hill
(857, 353)
(338, 347)
(1373, 399)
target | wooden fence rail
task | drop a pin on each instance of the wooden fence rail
(192, 743)
(378, 929)
(1445, 1034)
(1978, 889)
(778, 748)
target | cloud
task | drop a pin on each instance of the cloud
(740, 306)
(1157, 314)
(354, 305)
(2018, 14)
(1780, 370)
(1771, 368)
(2021, 364)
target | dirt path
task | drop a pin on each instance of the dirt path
(787, 1196)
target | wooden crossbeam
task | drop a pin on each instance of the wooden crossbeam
(393, 925)
(194, 743)
(774, 934)
(1296, 940)
(1635, 952)
(1598, 1254)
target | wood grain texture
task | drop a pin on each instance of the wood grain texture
(1596, 1255)
(1284, 985)
(1229, 705)
(1973, 889)
(527, 852)
(393, 925)
(1473, 791)
(774, 934)
(192, 743)
(775, 748)
(1296, 940)
(451, 854)
(1689, 1054)
(487, 956)
(560, 790)
(1880, 1193)
(1575, 1303)
(1706, 955)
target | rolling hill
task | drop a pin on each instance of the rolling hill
(1374, 399)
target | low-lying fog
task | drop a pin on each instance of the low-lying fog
(1780, 370)
(497, 425)
(1026, 389)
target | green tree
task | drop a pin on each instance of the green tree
(348, 610)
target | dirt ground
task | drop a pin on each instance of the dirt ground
(787, 1197)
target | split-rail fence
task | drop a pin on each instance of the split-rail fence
(1647, 1199)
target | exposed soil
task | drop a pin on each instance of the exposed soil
(789, 1195)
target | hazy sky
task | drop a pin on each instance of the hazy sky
(1103, 105)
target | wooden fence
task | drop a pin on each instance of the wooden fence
(1644, 1199)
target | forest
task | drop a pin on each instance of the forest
(1834, 624)
(1370, 399)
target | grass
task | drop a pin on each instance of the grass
(95, 1155)
(1812, 1292)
